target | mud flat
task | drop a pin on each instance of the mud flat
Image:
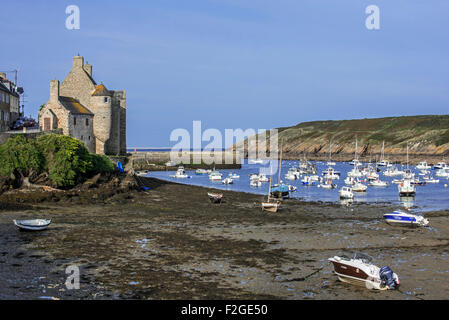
(171, 243)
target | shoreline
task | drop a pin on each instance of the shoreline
(171, 243)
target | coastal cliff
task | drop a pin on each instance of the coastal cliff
(427, 137)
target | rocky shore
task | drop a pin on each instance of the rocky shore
(170, 242)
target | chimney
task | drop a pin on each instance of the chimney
(54, 90)
(3, 75)
(88, 68)
(78, 62)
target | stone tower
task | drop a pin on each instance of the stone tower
(83, 99)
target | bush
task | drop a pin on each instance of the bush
(65, 159)
(20, 155)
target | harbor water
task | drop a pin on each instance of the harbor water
(430, 197)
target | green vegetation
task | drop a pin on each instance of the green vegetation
(65, 159)
(425, 132)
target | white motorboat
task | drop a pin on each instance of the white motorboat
(423, 166)
(215, 175)
(255, 183)
(330, 173)
(32, 224)
(443, 172)
(355, 173)
(180, 174)
(327, 184)
(359, 187)
(201, 171)
(227, 181)
(431, 180)
(310, 180)
(349, 181)
(361, 271)
(255, 161)
(406, 188)
(440, 165)
(378, 183)
(290, 176)
(405, 218)
(234, 176)
(346, 193)
(392, 172)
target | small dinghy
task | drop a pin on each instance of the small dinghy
(32, 225)
(215, 197)
(405, 218)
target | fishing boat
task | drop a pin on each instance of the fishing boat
(406, 188)
(346, 193)
(423, 166)
(405, 218)
(270, 205)
(227, 181)
(360, 270)
(32, 225)
(215, 197)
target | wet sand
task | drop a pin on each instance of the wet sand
(172, 243)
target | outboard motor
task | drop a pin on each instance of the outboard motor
(387, 278)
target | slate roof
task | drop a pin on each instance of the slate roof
(73, 106)
(101, 90)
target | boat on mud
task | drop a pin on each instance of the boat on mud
(215, 197)
(360, 270)
(405, 218)
(32, 224)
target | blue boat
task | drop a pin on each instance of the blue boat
(280, 191)
(401, 217)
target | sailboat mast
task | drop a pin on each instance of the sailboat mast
(280, 165)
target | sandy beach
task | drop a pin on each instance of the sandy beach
(171, 243)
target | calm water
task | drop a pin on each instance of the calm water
(428, 197)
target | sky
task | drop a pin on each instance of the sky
(232, 64)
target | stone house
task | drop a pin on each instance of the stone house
(86, 111)
(9, 103)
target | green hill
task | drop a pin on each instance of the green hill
(425, 135)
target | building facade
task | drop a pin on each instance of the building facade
(9, 103)
(86, 111)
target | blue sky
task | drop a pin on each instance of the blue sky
(238, 64)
